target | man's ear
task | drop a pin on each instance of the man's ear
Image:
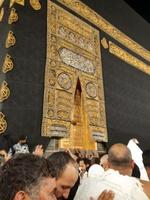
(108, 164)
(132, 164)
(21, 195)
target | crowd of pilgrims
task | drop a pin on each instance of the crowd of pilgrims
(123, 173)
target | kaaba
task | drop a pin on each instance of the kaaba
(74, 74)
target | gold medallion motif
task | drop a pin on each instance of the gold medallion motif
(64, 81)
(91, 90)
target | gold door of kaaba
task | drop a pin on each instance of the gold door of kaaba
(74, 108)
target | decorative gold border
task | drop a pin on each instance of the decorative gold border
(128, 58)
(104, 25)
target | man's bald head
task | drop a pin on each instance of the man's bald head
(119, 157)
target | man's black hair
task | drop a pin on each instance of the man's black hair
(22, 173)
(22, 137)
(60, 160)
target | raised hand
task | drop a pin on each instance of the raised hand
(38, 150)
(105, 195)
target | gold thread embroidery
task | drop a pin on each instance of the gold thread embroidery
(11, 40)
(104, 25)
(1, 2)
(35, 4)
(8, 64)
(20, 2)
(3, 123)
(104, 43)
(1, 14)
(128, 58)
(4, 91)
(13, 17)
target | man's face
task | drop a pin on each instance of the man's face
(66, 181)
(82, 166)
(43, 191)
(23, 141)
(47, 189)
